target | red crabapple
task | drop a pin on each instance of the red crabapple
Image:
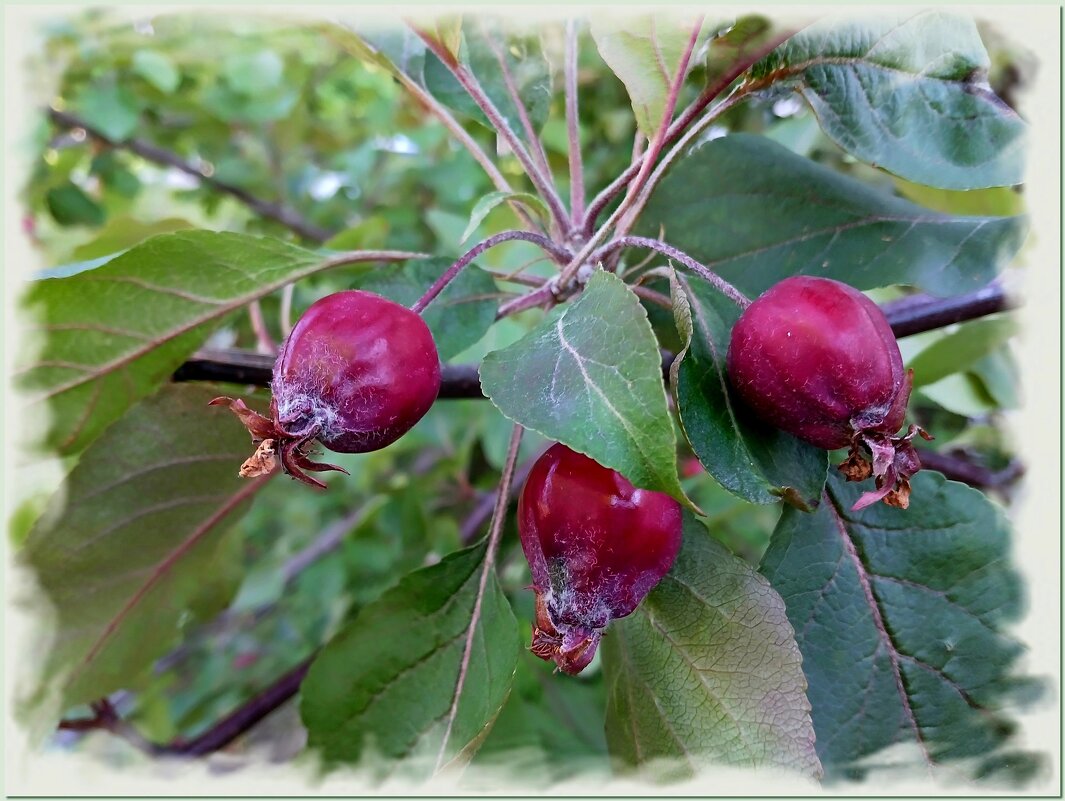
(817, 358)
(596, 546)
(356, 373)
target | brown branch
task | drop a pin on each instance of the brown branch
(958, 468)
(217, 737)
(243, 718)
(235, 366)
(918, 313)
(912, 315)
(278, 212)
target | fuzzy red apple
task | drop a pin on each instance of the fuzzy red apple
(596, 545)
(356, 373)
(817, 358)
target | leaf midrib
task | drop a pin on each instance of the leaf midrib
(888, 642)
(218, 309)
(163, 569)
(648, 463)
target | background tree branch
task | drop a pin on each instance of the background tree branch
(217, 737)
(278, 212)
(908, 316)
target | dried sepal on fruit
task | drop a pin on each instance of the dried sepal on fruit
(817, 358)
(274, 448)
(356, 373)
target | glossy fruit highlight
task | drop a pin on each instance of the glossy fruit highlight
(356, 373)
(596, 546)
(817, 358)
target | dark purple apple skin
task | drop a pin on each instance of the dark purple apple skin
(355, 374)
(360, 368)
(596, 545)
(817, 358)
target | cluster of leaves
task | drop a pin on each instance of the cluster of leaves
(776, 632)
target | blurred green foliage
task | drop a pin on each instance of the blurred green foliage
(278, 109)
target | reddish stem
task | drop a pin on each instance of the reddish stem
(576, 165)
(686, 118)
(723, 286)
(557, 251)
(571, 269)
(468, 82)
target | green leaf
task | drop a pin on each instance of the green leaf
(157, 69)
(367, 234)
(906, 92)
(961, 393)
(110, 109)
(756, 213)
(999, 201)
(758, 463)
(1001, 377)
(236, 107)
(449, 32)
(645, 53)
(549, 728)
(397, 49)
(253, 73)
(458, 316)
(112, 167)
(735, 41)
(73, 268)
(121, 233)
(524, 61)
(126, 545)
(420, 674)
(902, 612)
(69, 205)
(958, 350)
(590, 376)
(110, 336)
(493, 199)
(706, 670)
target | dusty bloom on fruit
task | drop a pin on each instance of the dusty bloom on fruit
(817, 358)
(356, 373)
(596, 545)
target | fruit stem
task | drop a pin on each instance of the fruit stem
(555, 250)
(495, 532)
(286, 309)
(536, 147)
(620, 216)
(576, 166)
(264, 341)
(723, 286)
(468, 81)
(659, 138)
(686, 118)
(462, 136)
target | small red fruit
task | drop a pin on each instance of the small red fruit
(356, 373)
(817, 358)
(596, 546)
